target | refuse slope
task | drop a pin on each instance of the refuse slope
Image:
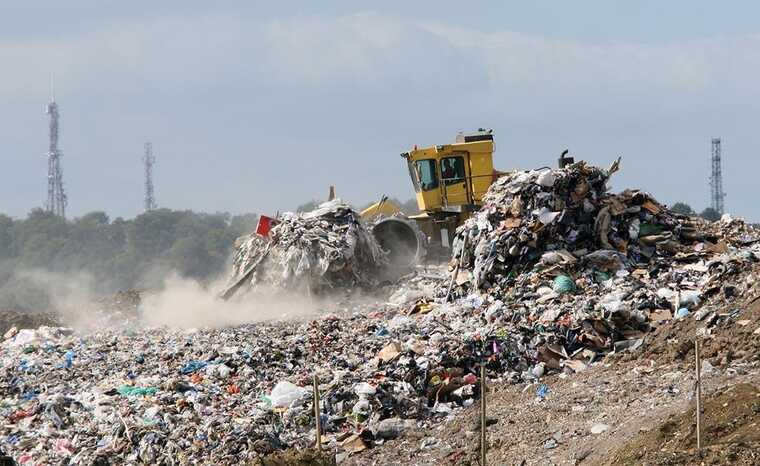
(394, 365)
(563, 272)
(557, 219)
(632, 393)
(325, 249)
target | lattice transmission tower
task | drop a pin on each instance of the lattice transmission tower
(56, 195)
(717, 196)
(149, 160)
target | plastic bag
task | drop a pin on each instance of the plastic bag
(285, 393)
(563, 284)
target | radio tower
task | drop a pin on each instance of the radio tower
(149, 160)
(716, 179)
(56, 196)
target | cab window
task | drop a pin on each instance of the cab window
(452, 170)
(426, 174)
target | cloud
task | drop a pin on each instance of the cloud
(363, 50)
(368, 51)
(371, 52)
(581, 68)
(213, 84)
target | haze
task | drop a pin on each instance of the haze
(259, 106)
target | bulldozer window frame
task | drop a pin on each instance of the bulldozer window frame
(414, 176)
(427, 174)
(457, 166)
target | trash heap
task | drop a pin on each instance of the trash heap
(221, 396)
(558, 301)
(323, 249)
(145, 395)
(558, 217)
(565, 272)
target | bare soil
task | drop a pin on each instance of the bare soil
(297, 458)
(730, 429)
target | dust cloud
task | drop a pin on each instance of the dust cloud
(69, 296)
(176, 303)
(184, 303)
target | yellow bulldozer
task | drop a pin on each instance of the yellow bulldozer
(449, 181)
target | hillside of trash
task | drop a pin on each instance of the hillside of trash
(551, 277)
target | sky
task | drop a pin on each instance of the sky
(260, 106)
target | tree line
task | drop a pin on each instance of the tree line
(118, 254)
(683, 208)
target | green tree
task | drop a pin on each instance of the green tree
(153, 232)
(120, 254)
(710, 214)
(244, 224)
(6, 237)
(95, 218)
(682, 208)
(189, 257)
(39, 239)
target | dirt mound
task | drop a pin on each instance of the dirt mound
(730, 332)
(22, 319)
(730, 434)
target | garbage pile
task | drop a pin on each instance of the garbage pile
(559, 217)
(324, 249)
(590, 273)
(222, 396)
(146, 395)
(564, 272)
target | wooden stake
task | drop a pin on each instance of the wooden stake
(317, 413)
(699, 395)
(483, 439)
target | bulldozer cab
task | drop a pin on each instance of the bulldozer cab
(452, 177)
